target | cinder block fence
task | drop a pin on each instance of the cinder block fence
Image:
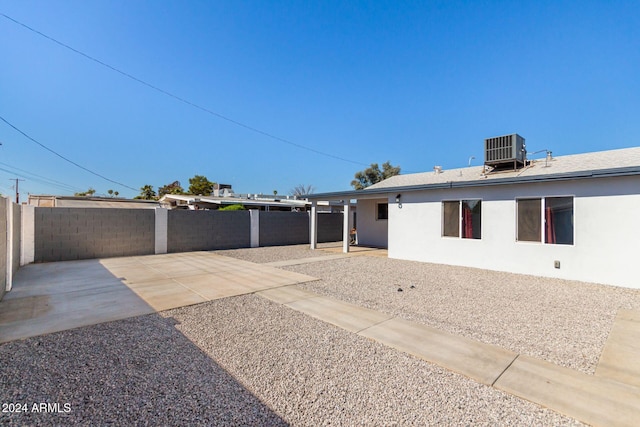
(60, 234)
(79, 233)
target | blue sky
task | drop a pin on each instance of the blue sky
(416, 83)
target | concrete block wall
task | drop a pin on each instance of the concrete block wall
(4, 246)
(329, 227)
(82, 233)
(292, 228)
(283, 228)
(189, 230)
(61, 234)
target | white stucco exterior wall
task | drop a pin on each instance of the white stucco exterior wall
(606, 231)
(371, 231)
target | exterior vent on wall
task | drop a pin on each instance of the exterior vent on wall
(505, 151)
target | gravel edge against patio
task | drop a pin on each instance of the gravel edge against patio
(561, 321)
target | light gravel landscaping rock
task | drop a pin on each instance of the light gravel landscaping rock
(241, 361)
(312, 373)
(564, 322)
(561, 321)
(138, 371)
(277, 253)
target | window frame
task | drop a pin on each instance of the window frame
(444, 216)
(460, 219)
(542, 238)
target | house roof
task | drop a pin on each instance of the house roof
(89, 202)
(589, 165)
(233, 200)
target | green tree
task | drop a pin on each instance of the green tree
(89, 192)
(115, 193)
(110, 191)
(373, 175)
(173, 188)
(199, 185)
(233, 208)
(146, 193)
(301, 190)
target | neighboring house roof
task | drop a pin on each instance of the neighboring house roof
(598, 164)
(90, 202)
(191, 199)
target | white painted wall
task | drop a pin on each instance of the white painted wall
(28, 246)
(606, 231)
(371, 231)
(161, 230)
(254, 220)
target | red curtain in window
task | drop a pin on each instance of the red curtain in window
(549, 226)
(467, 222)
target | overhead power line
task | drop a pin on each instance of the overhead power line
(66, 159)
(183, 100)
(38, 178)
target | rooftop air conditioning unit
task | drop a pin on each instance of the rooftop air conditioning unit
(508, 150)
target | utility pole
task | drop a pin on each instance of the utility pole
(17, 180)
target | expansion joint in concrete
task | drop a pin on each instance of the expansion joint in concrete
(505, 370)
(375, 324)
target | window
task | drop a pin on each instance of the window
(552, 216)
(451, 219)
(383, 211)
(462, 218)
(558, 217)
(529, 220)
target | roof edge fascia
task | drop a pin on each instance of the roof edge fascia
(372, 193)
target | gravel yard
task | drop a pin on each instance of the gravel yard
(242, 361)
(563, 322)
(248, 361)
(278, 253)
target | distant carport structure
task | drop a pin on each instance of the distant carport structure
(371, 223)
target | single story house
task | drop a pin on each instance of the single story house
(188, 201)
(575, 217)
(50, 201)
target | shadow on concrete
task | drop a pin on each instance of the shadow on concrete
(53, 297)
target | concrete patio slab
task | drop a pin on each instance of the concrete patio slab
(52, 297)
(287, 294)
(175, 268)
(477, 360)
(166, 294)
(592, 399)
(347, 316)
(210, 287)
(620, 358)
(52, 312)
(133, 273)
